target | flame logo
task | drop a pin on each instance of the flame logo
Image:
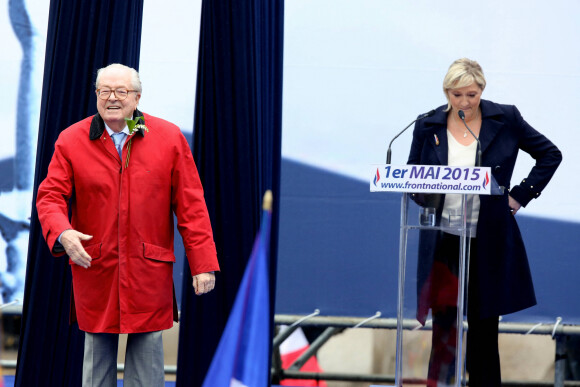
(486, 180)
(377, 178)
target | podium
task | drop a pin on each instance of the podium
(433, 275)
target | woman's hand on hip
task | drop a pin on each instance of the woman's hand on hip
(514, 205)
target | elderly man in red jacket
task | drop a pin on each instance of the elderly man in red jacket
(124, 180)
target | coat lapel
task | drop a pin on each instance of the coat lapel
(437, 137)
(491, 124)
(441, 149)
(97, 129)
(490, 127)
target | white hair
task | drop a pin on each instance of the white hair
(135, 80)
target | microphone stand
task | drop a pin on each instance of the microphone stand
(394, 138)
(428, 114)
(462, 116)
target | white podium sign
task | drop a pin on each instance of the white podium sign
(430, 179)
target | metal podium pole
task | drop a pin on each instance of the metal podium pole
(401, 291)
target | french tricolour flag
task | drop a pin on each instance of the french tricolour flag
(242, 356)
(290, 350)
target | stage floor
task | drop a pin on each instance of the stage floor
(9, 382)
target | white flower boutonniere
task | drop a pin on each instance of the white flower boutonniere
(134, 126)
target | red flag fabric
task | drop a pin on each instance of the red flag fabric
(290, 350)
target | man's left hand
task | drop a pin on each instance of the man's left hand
(203, 283)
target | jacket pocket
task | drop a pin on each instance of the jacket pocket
(157, 253)
(94, 251)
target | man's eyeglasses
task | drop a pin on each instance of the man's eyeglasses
(121, 94)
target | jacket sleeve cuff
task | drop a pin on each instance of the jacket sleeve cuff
(57, 248)
(522, 195)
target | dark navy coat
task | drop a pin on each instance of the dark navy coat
(505, 283)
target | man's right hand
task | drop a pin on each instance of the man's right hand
(71, 241)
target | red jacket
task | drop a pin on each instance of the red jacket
(129, 212)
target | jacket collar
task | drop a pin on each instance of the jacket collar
(492, 121)
(489, 110)
(98, 125)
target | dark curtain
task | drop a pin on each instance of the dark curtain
(237, 148)
(82, 37)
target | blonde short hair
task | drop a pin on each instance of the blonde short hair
(463, 72)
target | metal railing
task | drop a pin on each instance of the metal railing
(333, 325)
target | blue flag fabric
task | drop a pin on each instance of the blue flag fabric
(242, 356)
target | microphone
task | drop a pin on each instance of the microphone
(461, 114)
(425, 115)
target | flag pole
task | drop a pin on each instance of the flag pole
(242, 358)
(267, 201)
